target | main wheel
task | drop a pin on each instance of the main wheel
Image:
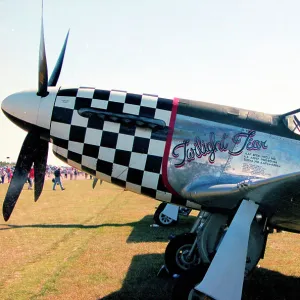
(177, 254)
(161, 219)
(184, 286)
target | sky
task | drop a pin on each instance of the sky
(239, 53)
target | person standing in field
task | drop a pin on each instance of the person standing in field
(2, 175)
(8, 174)
(57, 179)
(30, 178)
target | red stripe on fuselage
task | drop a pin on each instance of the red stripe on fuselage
(168, 146)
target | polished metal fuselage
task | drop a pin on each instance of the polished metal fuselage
(217, 145)
(185, 152)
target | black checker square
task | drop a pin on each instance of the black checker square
(88, 170)
(140, 145)
(67, 92)
(127, 129)
(148, 192)
(109, 139)
(160, 185)
(135, 176)
(101, 95)
(77, 133)
(122, 157)
(82, 103)
(104, 167)
(153, 163)
(134, 99)
(90, 150)
(115, 107)
(60, 142)
(62, 115)
(165, 104)
(118, 182)
(74, 156)
(147, 112)
(95, 122)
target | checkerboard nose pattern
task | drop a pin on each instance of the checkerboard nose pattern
(127, 155)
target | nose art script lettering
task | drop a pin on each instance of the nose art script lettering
(189, 151)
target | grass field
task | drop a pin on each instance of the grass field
(98, 244)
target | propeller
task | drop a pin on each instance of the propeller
(34, 150)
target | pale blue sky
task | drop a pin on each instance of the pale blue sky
(239, 53)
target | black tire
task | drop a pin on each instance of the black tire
(161, 219)
(186, 282)
(176, 251)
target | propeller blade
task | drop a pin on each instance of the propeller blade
(56, 71)
(95, 182)
(24, 163)
(43, 70)
(40, 163)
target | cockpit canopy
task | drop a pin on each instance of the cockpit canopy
(292, 121)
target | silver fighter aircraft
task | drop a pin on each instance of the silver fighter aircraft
(240, 167)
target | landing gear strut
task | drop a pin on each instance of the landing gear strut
(191, 254)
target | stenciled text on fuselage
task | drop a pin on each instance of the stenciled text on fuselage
(188, 151)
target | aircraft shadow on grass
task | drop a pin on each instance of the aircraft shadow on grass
(141, 282)
(142, 232)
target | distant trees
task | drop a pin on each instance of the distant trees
(5, 163)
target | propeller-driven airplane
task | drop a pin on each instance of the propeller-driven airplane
(240, 167)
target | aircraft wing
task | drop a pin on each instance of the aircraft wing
(265, 192)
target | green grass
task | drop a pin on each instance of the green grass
(98, 244)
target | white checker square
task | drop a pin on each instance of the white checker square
(164, 115)
(79, 120)
(133, 187)
(125, 142)
(119, 172)
(97, 103)
(111, 126)
(89, 162)
(156, 147)
(85, 93)
(143, 132)
(150, 180)
(117, 96)
(75, 147)
(138, 161)
(131, 109)
(164, 196)
(74, 164)
(60, 130)
(65, 101)
(93, 136)
(103, 176)
(107, 154)
(149, 101)
(61, 151)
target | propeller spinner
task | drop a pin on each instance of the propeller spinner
(26, 110)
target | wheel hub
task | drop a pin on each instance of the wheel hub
(184, 259)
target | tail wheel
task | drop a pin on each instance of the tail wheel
(161, 219)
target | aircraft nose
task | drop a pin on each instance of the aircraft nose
(23, 106)
(27, 109)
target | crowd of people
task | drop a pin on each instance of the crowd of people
(6, 173)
